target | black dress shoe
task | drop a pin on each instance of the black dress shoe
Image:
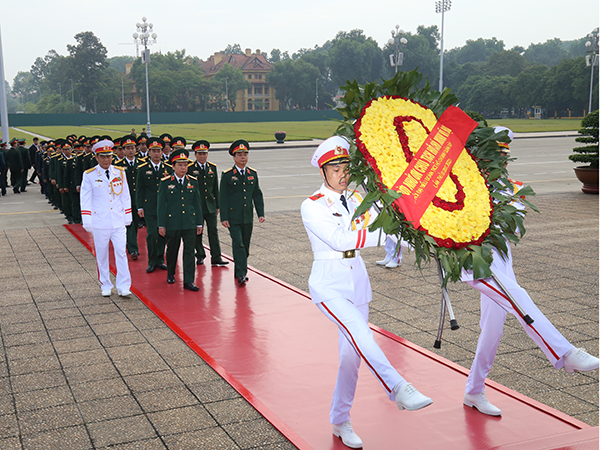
(162, 266)
(191, 287)
(16, 191)
(150, 269)
(241, 281)
(171, 279)
(134, 255)
(220, 263)
(199, 261)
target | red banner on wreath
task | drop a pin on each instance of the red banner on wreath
(432, 164)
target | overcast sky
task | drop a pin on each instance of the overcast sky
(32, 27)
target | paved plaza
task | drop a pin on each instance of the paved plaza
(79, 371)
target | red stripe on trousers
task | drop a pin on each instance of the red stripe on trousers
(531, 325)
(356, 348)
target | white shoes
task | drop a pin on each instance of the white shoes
(106, 292)
(393, 264)
(481, 403)
(126, 293)
(345, 432)
(578, 360)
(383, 262)
(409, 398)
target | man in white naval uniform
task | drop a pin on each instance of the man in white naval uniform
(494, 306)
(105, 212)
(340, 287)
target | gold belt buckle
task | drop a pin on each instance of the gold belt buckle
(349, 254)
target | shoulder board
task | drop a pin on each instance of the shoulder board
(191, 163)
(122, 169)
(166, 178)
(193, 177)
(142, 165)
(316, 196)
(228, 170)
(167, 164)
(56, 155)
(248, 167)
(90, 170)
(212, 164)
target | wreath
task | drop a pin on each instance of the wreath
(473, 210)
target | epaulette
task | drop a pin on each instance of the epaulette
(193, 177)
(228, 170)
(316, 196)
(122, 169)
(56, 155)
(211, 164)
(167, 164)
(248, 167)
(90, 170)
(166, 178)
(191, 163)
(142, 165)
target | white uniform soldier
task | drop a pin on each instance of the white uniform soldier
(393, 254)
(340, 287)
(105, 212)
(494, 306)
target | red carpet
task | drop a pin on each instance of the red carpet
(275, 348)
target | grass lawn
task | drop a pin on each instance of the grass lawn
(263, 131)
(212, 132)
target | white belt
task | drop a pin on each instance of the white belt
(337, 255)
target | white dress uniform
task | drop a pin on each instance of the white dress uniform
(106, 210)
(494, 306)
(340, 287)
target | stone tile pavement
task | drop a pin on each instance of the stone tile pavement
(79, 371)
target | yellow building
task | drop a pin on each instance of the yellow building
(255, 67)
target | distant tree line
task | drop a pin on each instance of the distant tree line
(485, 76)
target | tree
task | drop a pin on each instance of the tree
(527, 89)
(119, 63)
(567, 86)
(505, 63)
(482, 93)
(234, 49)
(479, 50)
(354, 56)
(24, 87)
(87, 62)
(589, 135)
(549, 53)
(294, 83)
(420, 52)
(235, 83)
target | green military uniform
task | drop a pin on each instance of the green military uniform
(70, 182)
(131, 168)
(15, 163)
(240, 195)
(62, 183)
(180, 212)
(146, 196)
(4, 169)
(208, 185)
(27, 164)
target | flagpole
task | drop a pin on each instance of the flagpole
(3, 110)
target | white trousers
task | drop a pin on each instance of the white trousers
(390, 251)
(494, 306)
(118, 237)
(355, 342)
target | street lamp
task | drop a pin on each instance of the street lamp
(143, 37)
(72, 96)
(397, 58)
(226, 95)
(317, 94)
(441, 7)
(592, 59)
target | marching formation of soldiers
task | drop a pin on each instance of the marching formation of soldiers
(148, 163)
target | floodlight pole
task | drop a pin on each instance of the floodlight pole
(592, 59)
(397, 58)
(442, 6)
(145, 32)
(3, 109)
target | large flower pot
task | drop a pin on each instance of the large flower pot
(280, 136)
(589, 178)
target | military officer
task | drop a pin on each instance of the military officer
(340, 287)
(142, 144)
(131, 164)
(4, 171)
(106, 211)
(206, 174)
(180, 216)
(147, 181)
(62, 181)
(15, 164)
(27, 164)
(240, 192)
(167, 138)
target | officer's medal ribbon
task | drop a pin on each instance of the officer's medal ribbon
(116, 184)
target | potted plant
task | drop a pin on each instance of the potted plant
(588, 175)
(280, 136)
